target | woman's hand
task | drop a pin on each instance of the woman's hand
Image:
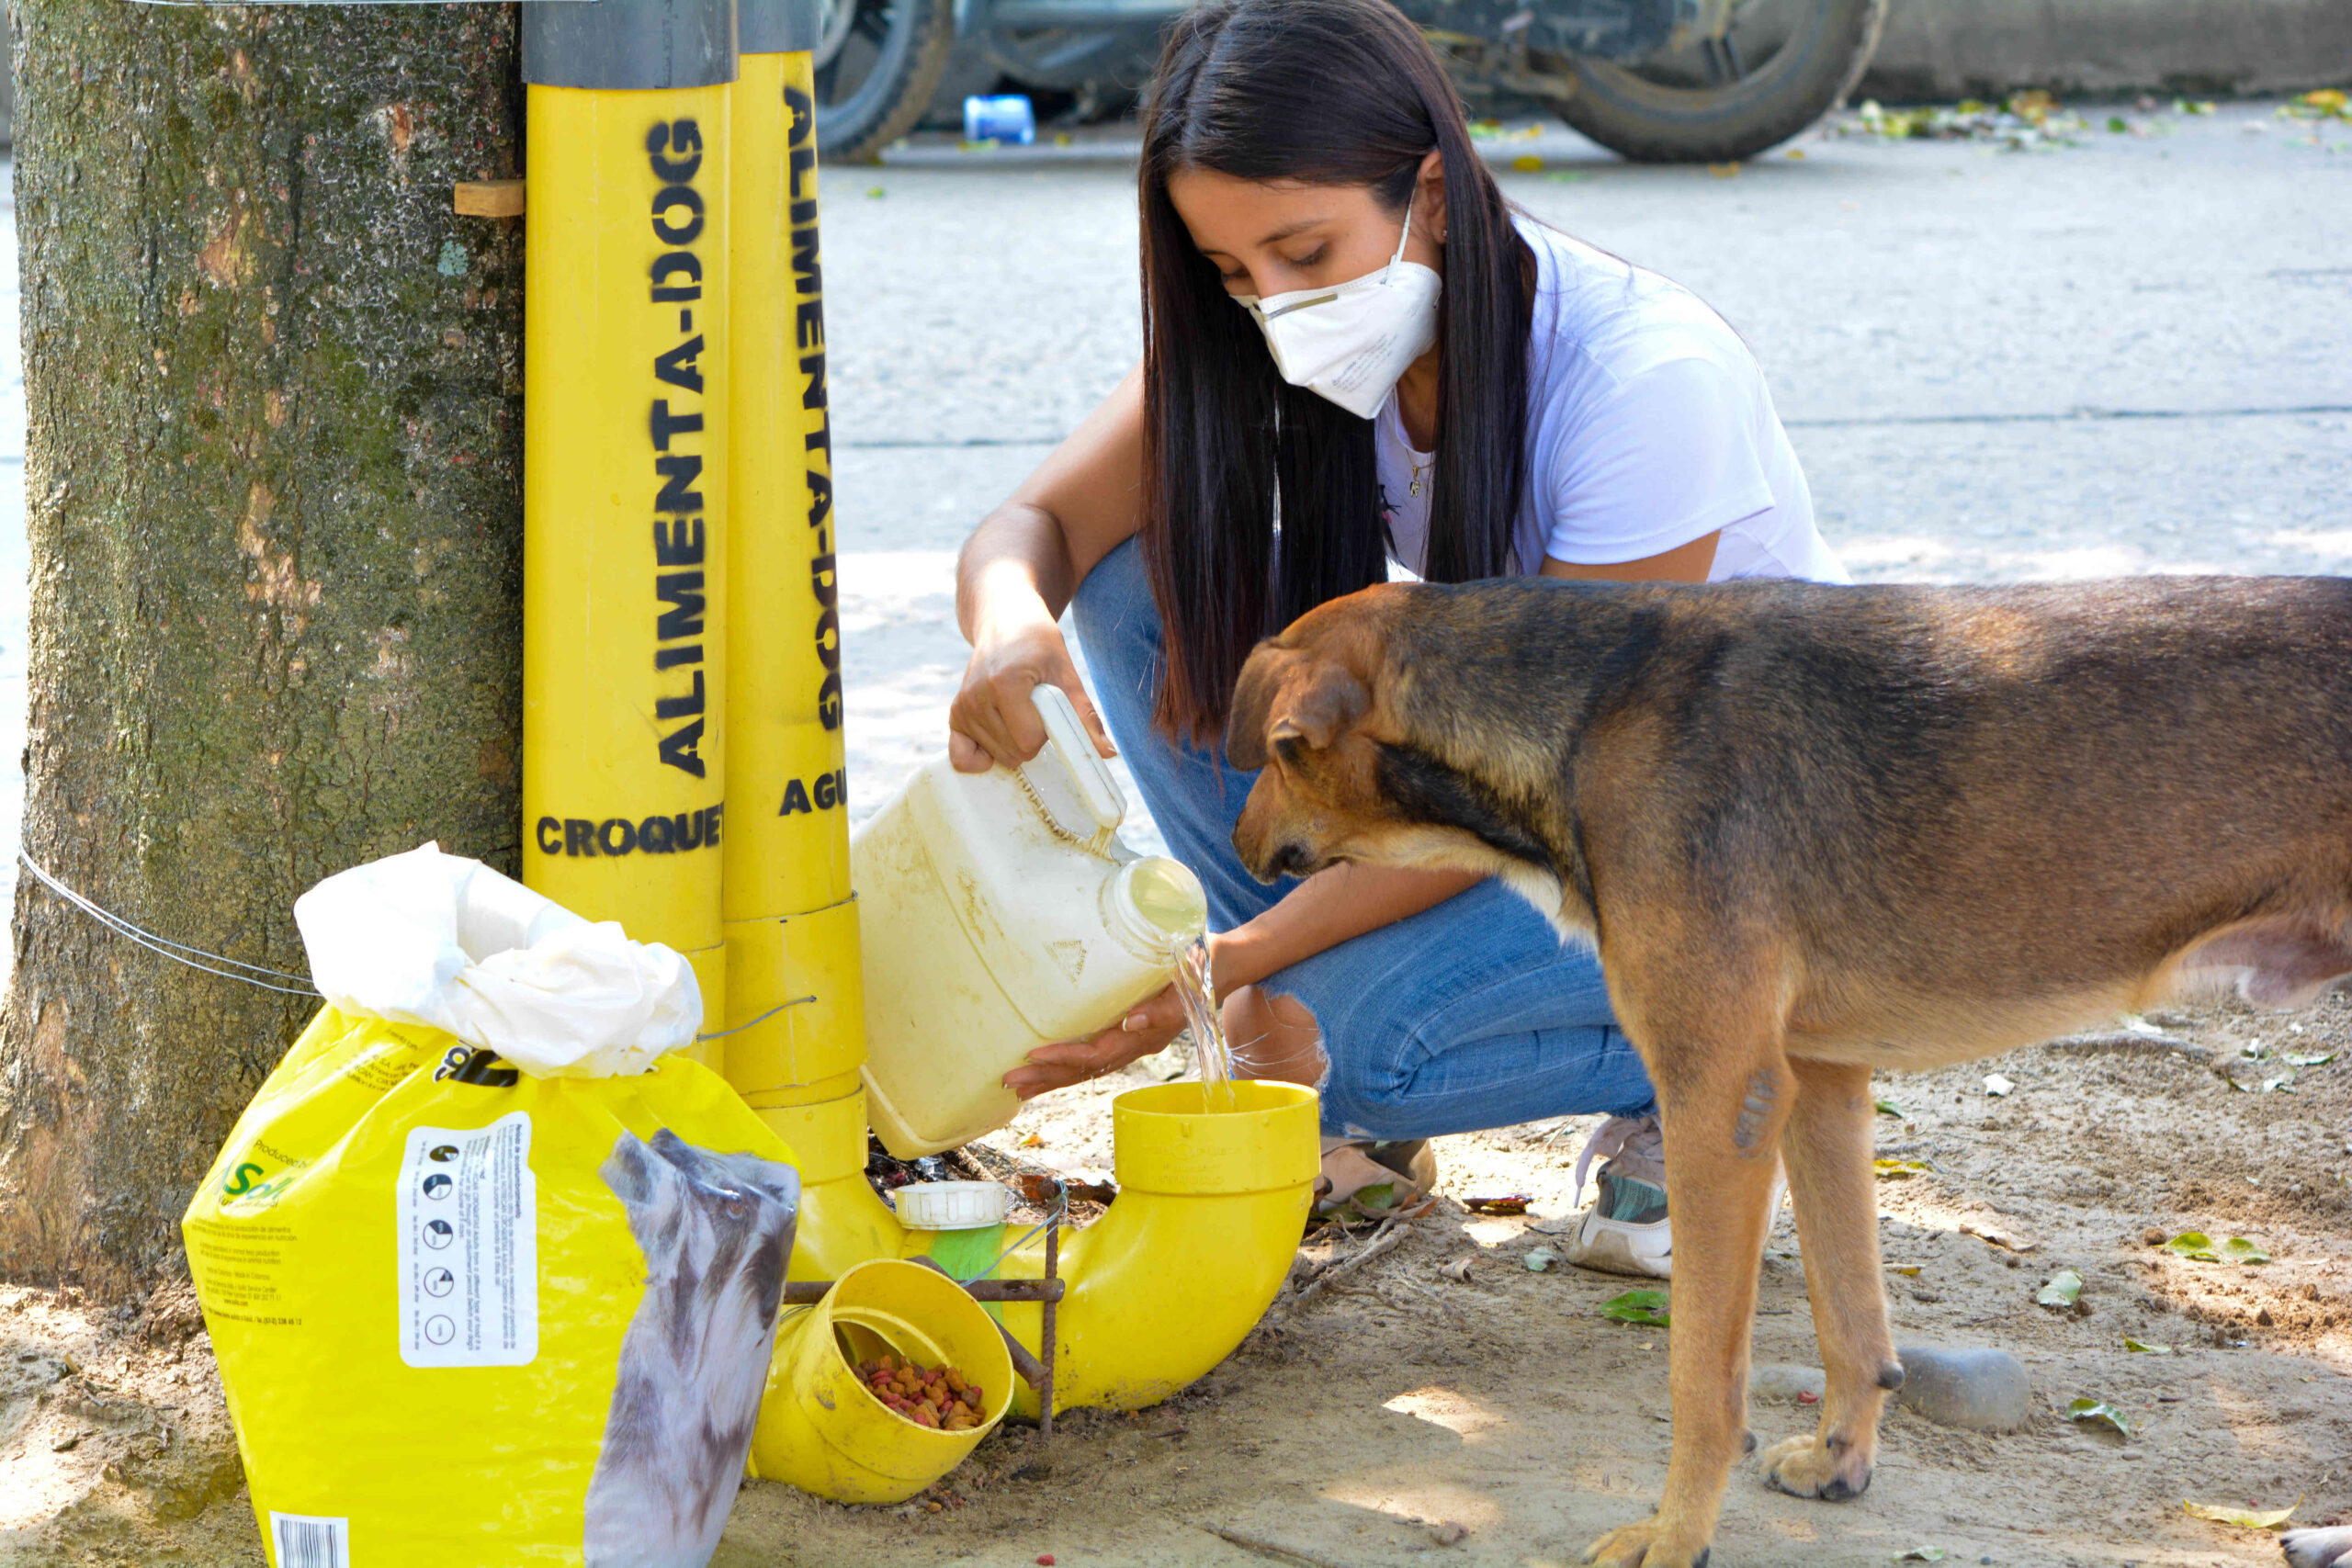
(993, 719)
(1150, 1025)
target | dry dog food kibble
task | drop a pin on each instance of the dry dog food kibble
(938, 1397)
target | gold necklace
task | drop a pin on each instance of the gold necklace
(1418, 470)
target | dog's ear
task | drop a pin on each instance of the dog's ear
(1253, 696)
(1286, 694)
(1318, 702)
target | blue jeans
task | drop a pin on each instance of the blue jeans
(1468, 1015)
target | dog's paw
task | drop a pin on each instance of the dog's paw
(2318, 1547)
(1644, 1545)
(1806, 1467)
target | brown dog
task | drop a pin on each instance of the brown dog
(1817, 831)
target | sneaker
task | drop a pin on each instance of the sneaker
(1625, 1231)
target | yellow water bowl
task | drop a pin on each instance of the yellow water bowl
(823, 1429)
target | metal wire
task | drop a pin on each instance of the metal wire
(737, 1028)
(177, 951)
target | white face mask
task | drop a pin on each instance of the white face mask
(1351, 341)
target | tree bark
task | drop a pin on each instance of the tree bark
(273, 482)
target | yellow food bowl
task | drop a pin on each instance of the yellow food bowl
(823, 1429)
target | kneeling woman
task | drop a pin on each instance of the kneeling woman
(1357, 354)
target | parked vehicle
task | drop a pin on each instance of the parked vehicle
(1661, 81)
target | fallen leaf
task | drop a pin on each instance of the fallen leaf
(1539, 1258)
(1899, 1169)
(1459, 1270)
(2063, 1288)
(1507, 1203)
(1527, 164)
(1888, 1108)
(2099, 1410)
(1996, 1084)
(877, 192)
(1724, 170)
(2317, 1061)
(1030, 1141)
(2198, 1248)
(1638, 1306)
(1921, 1554)
(1998, 1233)
(1796, 153)
(1909, 1270)
(2245, 1519)
(2117, 125)
(2132, 1344)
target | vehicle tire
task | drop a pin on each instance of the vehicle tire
(893, 53)
(1661, 113)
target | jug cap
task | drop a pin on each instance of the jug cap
(1154, 903)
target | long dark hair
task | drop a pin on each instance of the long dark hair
(1323, 92)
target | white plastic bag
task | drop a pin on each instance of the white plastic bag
(445, 941)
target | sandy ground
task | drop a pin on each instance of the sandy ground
(1358, 1426)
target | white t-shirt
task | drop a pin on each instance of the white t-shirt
(1648, 425)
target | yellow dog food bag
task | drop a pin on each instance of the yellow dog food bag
(469, 1314)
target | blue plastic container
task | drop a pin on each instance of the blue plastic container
(1006, 118)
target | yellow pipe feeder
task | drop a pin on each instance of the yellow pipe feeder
(795, 1007)
(683, 767)
(624, 467)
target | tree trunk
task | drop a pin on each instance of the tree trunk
(273, 497)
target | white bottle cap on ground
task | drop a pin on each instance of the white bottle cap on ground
(951, 1205)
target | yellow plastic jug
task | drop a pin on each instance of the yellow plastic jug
(999, 912)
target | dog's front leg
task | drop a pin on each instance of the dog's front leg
(1722, 1110)
(1827, 1148)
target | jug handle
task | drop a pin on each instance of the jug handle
(1066, 741)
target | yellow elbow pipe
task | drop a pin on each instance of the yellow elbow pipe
(1168, 1283)
(1163, 1286)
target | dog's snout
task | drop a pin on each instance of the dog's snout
(1291, 860)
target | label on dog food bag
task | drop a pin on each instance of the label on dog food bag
(469, 1246)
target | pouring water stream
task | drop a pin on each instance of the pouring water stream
(1212, 1056)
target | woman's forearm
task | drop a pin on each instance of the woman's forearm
(1324, 910)
(1016, 563)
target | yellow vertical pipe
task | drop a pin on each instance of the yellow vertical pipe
(795, 1005)
(626, 477)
